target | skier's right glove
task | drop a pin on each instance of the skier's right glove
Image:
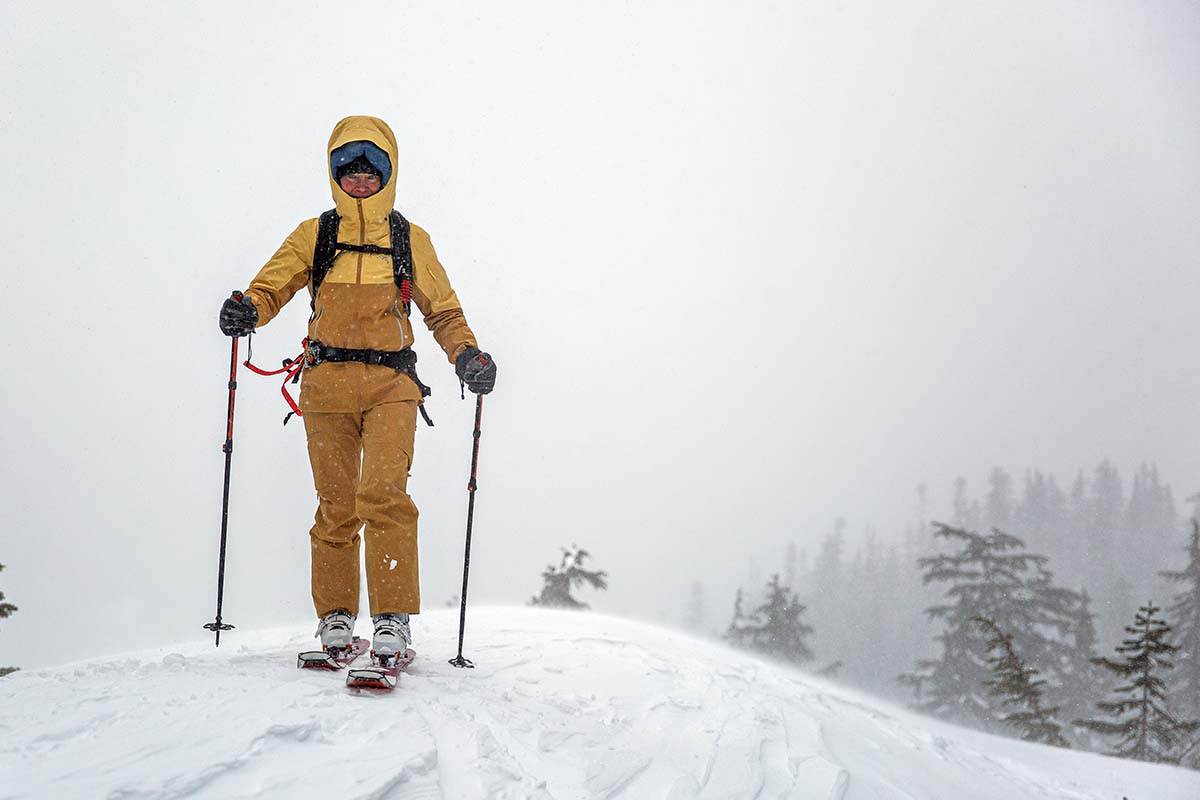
(238, 318)
(476, 369)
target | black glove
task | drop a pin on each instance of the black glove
(238, 318)
(476, 369)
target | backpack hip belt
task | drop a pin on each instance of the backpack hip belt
(405, 361)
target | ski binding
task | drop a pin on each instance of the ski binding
(383, 673)
(333, 658)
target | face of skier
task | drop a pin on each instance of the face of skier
(360, 184)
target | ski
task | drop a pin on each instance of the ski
(382, 675)
(334, 658)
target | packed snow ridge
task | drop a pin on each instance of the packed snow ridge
(560, 705)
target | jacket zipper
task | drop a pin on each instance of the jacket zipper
(399, 319)
(317, 319)
(362, 239)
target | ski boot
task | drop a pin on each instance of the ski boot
(336, 630)
(339, 645)
(392, 637)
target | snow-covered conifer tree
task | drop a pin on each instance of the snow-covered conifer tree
(999, 505)
(967, 512)
(570, 573)
(1185, 611)
(1015, 684)
(741, 627)
(1082, 679)
(989, 576)
(827, 596)
(6, 610)
(779, 631)
(1145, 726)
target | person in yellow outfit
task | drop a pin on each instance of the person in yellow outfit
(363, 264)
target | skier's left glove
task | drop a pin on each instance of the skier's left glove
(476, 369)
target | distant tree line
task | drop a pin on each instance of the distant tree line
(998, 640)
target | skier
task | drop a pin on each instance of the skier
(360, 393)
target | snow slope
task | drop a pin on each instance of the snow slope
(561, 704)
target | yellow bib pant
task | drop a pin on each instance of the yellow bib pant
(360, 466)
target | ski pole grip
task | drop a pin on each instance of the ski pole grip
(237, 295)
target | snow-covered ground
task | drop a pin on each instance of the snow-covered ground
(561, 704)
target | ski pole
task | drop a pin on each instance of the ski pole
(217, 626)
(459, 661)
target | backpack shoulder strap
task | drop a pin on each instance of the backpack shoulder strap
(402, 261)
(401, 252)
(326, 249)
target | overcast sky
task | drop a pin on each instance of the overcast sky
(744, 268)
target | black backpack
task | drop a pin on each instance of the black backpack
(328, 246)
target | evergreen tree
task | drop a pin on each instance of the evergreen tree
(1150, 516)
(828, 567)
(899, 596)
(1185, 610)
(1075, 539)
(831, 670)
(570, 573)
(1000, 505)
(779, 631)
(967, 512)
(1107, 520)
(696, 616)
(1041, 518)
(922, 507)
(829, 593)
(738, 631)
(1015, 684)
(1029, 519)
(1082, 676)
(868, 612)
(1146, 727)
(989, 576)
(1108, 503)
(6, 610)
(1194, 499)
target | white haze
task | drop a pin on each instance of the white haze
(744, 268)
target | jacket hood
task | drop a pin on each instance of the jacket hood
(378, 206)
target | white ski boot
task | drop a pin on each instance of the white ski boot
(392, 635)
(336, 630)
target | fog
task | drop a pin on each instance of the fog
(744, 269)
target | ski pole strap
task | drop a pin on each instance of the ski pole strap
(405, 361)
(291, 373)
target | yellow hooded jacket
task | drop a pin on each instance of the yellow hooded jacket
(358, 304)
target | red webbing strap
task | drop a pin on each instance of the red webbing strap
(290, 371)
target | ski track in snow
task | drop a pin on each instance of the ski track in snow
(561, 705)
